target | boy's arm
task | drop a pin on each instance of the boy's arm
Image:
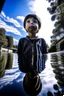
(19, 52)
(45, 51)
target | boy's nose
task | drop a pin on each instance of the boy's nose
(31, 22)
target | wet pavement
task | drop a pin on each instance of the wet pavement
(52, 78)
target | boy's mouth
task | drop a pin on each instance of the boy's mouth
(32, 28)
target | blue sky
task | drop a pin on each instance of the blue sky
(14, 12)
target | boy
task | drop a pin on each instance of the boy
(31, 48)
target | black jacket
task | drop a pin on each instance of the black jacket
(31, 54)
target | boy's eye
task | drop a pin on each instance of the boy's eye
(28, 21)
(35, 21)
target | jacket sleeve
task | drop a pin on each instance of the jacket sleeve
(45, 50)
(20, 53)
(44, 47)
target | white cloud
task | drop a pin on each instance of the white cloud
(9, 28)
(11, 20)
(15, 22)
(3, 14)
(21, 18)
(39, 7)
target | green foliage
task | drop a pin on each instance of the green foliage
(10, 41)
(2, 32)
(52, 49)
(3, 40)
(52, 7)
(9, 61)
(56, 10)
(2, 73)
(2, 65)
(15, 46)
(59, 2)
(52, 10)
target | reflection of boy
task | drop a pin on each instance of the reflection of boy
(31, 48)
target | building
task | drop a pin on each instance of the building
(6, 50)
(57, 41)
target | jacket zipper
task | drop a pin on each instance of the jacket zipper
(32, 54)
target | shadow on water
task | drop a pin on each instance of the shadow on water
(48, 81)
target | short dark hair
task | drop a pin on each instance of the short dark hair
(35, 17)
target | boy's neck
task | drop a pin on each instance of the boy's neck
(32, 35)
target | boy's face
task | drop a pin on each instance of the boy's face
(32, 25)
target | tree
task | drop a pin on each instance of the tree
(3, 40)
(56, 10)
(10, 41)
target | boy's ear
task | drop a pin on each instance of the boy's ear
(38, 29)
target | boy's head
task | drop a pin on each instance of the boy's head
(36, 20)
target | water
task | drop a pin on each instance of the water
(52, 78)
